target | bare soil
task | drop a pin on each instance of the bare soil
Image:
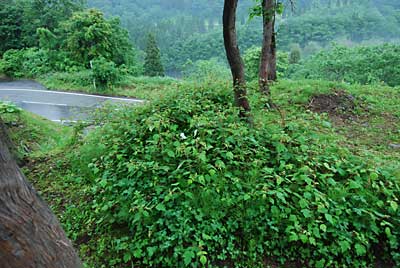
(339, 105)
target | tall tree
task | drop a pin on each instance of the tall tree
(235, 60)
(152, 61)
(30, 234)
(266, 62)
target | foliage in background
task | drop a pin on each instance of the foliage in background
(105, 72)
(89, 36)
(251, 59)
(152, 60)
(190, 30)
(206, 70)
(364, 64)
(295, 54)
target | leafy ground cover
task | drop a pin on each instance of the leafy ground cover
(181, 182)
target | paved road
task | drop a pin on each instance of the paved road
(54, 105)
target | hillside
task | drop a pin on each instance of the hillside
(311, 24)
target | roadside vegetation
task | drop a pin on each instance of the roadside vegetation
(183, 181)
(310, 179)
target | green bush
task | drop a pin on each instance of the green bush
(105, 72)
(12, 63)
(206, 70)
(182, 182)
(364, 65)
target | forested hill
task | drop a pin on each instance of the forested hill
(190, 30)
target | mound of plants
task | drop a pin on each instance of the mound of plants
(182, 182)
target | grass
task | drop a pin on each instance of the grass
(372, 130)
(135, 87)
(36, 136)
(55, 164)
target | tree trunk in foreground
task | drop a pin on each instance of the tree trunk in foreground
(267, 69)
(234, 58)
(30, 234)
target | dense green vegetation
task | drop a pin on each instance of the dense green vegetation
(365, 65)
(182, 182)
(76, 42)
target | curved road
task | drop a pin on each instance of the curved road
(55, 105)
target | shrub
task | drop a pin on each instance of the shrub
(12, 63)
(206, 70)
(105, 72)
(182, 182)
(364, 65)
(295, 54)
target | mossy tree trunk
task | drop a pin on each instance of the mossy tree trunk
(30, 234)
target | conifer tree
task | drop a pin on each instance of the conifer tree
(152, 64)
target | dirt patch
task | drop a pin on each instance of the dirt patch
(338, 105)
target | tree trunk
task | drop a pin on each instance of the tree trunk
(266, 60)
(30, 234)
(234, 58)
(272, 74)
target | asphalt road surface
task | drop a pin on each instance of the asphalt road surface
(54, 105)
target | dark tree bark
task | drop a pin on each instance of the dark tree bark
(266, 51)
(272, 74)
(235, 60)
(30, 234)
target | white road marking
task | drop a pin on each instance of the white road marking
(45, 103)
(65, 121)
(71, 93)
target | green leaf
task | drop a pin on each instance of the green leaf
(293, 237)
(303, 203)
(229, 155)
(188, 256)
(203, 260)
(329, 218)
(170, 153)
(394, 205)
(307, 213)
(322, 227)
(360, 250)
(344, 245)
(127, 257)
(160, 207)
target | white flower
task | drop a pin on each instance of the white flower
(183, 136)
